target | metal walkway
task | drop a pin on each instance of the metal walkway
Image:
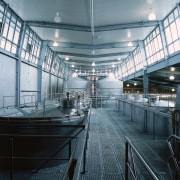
(105, 158)
(106, 147)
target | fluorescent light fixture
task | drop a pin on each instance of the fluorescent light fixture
(171, 77)
(130, 44)
(172, 68)
(152, 16)
(93, 64)
(57, 18)
(55, 43)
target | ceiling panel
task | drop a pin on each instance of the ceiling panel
(106, 27)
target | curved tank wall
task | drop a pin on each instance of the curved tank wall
(76, 83)
(109, 86)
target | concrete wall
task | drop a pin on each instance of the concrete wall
(147, 119)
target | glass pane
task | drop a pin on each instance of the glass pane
(168, 35)
(16, 37)
(10, 34)
(171, 49)
(177, 45)
(13, 50)
(8, 46)
(23, 54)
(178, 25)
(166, 23)
(3, 43)
(174, 31)
(5, 31)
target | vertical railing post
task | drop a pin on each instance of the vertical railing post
(12, 160)
(69, 149)
(126, 161)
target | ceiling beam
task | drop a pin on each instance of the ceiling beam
(140, 24)
(93, 55)
(93, 47)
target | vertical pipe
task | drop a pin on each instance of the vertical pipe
(12, 161)
(126, 161)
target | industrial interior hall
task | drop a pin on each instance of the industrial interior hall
(89, 89)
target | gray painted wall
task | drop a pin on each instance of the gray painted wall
(28, 82)
(7, 80)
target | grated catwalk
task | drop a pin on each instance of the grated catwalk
(106, 147)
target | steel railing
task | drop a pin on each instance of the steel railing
(131, 162)
(174, 159)
(13, 157)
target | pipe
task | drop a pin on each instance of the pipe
(92, 18)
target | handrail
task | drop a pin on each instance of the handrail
(12, 138)
(127, 163)
(172, 140)
(82, 158)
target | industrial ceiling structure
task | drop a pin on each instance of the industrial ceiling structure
(83, 32)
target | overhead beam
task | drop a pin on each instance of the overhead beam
(92, 56)
(112, 61)
(140, 24)
(93, 47)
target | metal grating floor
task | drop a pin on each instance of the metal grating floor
(106, 147)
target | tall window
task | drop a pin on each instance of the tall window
(138, 61)
(172, 31)
(55, 66)
(124, 70)
(130, 65)
(31, 46)
(153, 47)
(10, 32)
(48, 59)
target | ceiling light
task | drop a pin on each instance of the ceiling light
(66, 58)
(93, 64)
(93, 70)
(172, 89)
(171, 77)
(172, 68)
(152, 16)
(55, 43)
(72, 65)
(135, 84)
(130, 44)
(113, 65)
(119, 58)
(57, 18)
(127, 85)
